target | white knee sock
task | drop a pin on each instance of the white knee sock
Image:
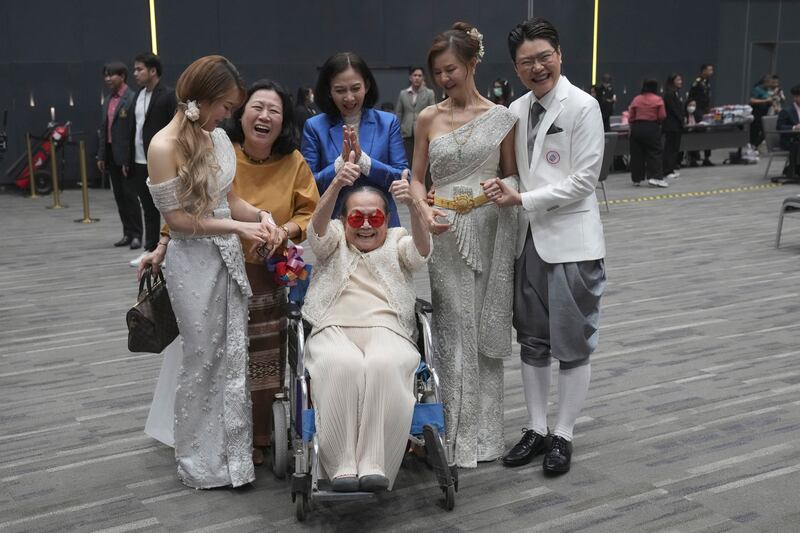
(573, 384)
(536, 384)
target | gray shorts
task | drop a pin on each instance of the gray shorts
(556, 308)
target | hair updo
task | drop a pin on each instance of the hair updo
(463, 38)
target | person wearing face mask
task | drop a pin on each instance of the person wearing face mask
(361, 353)
(191, 164)
(271, 175)
(559, 275)
(501, 93)
(467, 139)
(346, 92)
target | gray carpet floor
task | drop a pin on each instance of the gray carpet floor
(692, 422)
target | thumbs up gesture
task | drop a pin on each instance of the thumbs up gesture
(348, 174)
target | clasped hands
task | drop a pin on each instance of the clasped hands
(267, 235)
(350, 143)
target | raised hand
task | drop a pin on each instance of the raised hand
(349, 172)
(346, 148)
(401, 190)
(354, 144)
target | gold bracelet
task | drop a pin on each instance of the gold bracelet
(286, 230)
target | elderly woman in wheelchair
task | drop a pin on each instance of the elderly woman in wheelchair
(361, 353)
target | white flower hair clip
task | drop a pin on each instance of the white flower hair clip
(192, 110)
(479, 36)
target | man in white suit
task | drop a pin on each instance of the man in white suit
(559, 270)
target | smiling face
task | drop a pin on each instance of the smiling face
(451, 74)
(365, 238)
(538, 65)
(213, 113)
(678, 82)
(262, 118)
(348, 90)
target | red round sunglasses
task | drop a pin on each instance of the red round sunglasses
(356, 219)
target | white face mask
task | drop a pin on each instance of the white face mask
(691, 109)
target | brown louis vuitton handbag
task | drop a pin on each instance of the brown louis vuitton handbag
(151, 322)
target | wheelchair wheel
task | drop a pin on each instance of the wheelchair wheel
(280, 440)
(301, 506)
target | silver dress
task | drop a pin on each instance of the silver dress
(208, 289)
(472, 274)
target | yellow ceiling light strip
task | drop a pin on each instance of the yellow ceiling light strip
(594, 41)
(153, 36)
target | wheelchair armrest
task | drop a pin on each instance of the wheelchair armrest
(423, 306)
(293, 311)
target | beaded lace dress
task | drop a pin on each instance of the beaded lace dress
(472, 274)
(208, 289)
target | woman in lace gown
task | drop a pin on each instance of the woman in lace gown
(467, 140)
(191, 164)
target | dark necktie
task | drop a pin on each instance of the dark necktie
(536, 112)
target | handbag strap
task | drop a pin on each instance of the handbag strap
(147, 278)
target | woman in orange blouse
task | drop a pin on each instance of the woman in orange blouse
(646, 113)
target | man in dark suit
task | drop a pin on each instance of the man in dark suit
(113, 154)
(154, 107)
(604, 92)
(789, 120)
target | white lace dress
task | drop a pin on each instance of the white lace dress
(208, 289)
(472, 274)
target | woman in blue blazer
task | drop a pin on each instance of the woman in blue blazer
(345, 93)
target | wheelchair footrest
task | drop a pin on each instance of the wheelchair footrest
(324, 493)
(436, 457)
(431, 414)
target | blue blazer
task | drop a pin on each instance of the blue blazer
(379, 136)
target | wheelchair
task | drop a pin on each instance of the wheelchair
(293, 422)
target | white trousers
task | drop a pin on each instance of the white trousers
(362, 382)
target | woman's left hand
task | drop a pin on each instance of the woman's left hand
(500, 193)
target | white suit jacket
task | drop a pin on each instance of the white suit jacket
(558, 183)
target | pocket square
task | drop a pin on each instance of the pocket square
(553, 129)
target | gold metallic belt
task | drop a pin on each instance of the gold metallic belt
(461, 203)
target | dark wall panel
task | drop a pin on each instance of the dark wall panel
(55, 50)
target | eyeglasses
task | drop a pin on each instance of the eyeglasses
(545, 58)
(356, 219)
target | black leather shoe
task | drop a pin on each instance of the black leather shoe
(557, 460)
(125, 241)
(530, 445)
(707, 163)
(136, 243)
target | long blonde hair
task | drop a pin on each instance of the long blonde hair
(206, 80)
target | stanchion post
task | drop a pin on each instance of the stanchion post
(31, 170)
(54, 172)
(84, 185)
